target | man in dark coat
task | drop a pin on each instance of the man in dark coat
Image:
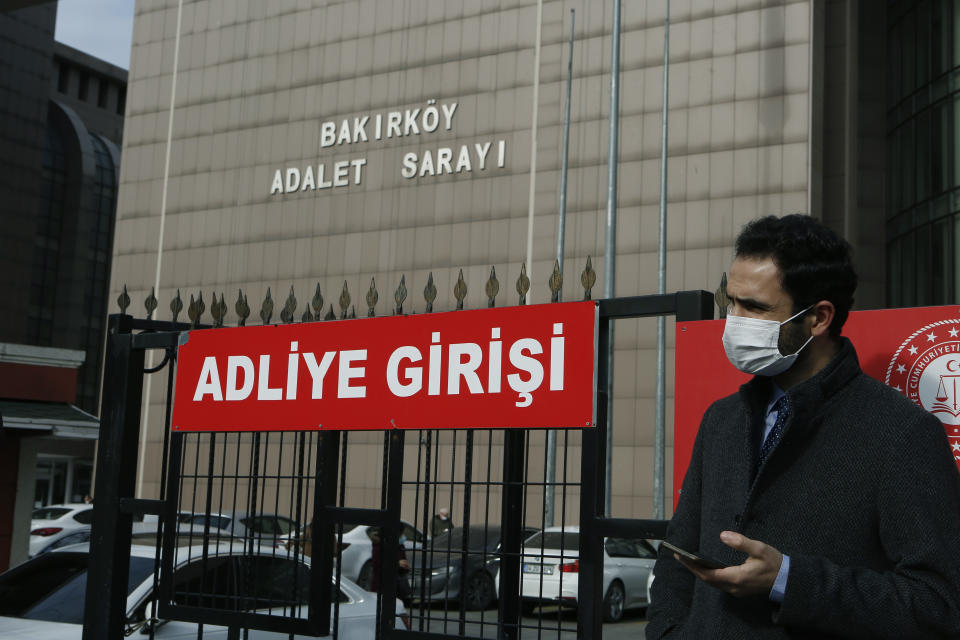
(441, 522)
(833, 498)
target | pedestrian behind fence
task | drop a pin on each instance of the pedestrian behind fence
(441, 522)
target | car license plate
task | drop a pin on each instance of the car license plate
(537, 568)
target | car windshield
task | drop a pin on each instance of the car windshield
(480, 539)
(49, 513)
(53, 586)
(553, 540)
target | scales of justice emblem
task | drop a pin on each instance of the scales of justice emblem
(926, 369)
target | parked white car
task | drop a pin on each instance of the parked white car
(59, 525)
(551, 569)
(357, 550)
(43, 599)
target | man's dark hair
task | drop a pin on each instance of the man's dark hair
(814, 262)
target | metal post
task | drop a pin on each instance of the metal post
(390, 535)
(511, 527)
(610, 258)
(592, 496)
(105, 609)
(550, 495)
(660, 429)
(322, 531)
(561, 231)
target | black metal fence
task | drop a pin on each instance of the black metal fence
(259, 530)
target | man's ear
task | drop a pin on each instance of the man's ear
(823, 313)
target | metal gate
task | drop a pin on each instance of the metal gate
(255, 531)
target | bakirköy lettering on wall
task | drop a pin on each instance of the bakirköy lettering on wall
(468, 157)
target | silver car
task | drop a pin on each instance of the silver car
(43, 599)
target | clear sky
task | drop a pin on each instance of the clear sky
(101, 28)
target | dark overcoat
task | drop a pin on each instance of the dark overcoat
(862, 492)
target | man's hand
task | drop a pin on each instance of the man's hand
(754, 577)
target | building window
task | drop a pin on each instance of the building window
(49, 230)
(63, 77)
(102, 88)
(84, 85)
(121, 99)
(61, 479)
(100, 246)
(923, 149)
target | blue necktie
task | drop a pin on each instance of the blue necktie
(782, 407)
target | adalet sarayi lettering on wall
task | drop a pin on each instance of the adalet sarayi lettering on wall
(463, 158)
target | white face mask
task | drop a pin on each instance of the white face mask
(752, 345)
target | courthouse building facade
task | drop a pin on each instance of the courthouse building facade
(270, 145)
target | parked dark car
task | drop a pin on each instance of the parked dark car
(439, 571)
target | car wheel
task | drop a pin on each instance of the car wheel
(366, 575)
(479, 591)
(613, 602)
(527, 608)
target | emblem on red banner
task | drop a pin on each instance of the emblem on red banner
(926, 369)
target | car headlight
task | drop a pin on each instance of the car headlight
(439, 571)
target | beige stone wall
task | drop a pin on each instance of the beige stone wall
(256, 80)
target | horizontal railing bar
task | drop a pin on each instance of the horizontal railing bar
(142, 324)
(638, 306)
(253, 621)
(632, 528)
(351, 515)
(686, 305)
(488, 483)
(162, 340)
(405, 634)
(138, 506)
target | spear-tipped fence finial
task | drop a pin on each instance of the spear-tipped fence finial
(330, 314)
(266, 309)
(218, 309)
(289, 307)
(556, 282)
(196, 309)
(307, 316)
(460, 290)
(588, 278)
(151, 303)
(523, 283)
(492, 288)
(123, 300)
(430, 292)
(317, 303)
(344, 301)
(372, 298)
(400, 295)
(720, 297)
(242, 308)
(176, 306)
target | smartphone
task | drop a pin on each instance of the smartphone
(697, 558)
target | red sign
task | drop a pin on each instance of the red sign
(529, 367)
(915, 351)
